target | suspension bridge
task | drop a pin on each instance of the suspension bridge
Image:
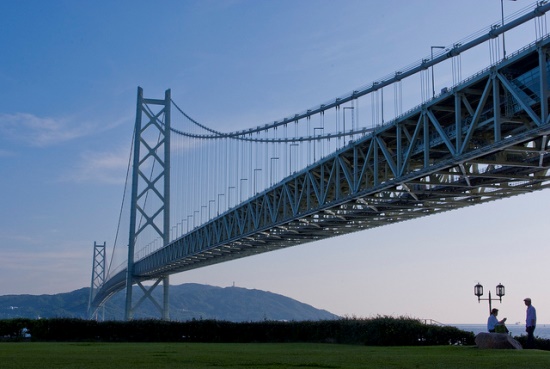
(197, 196)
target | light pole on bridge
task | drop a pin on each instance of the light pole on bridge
(344, 120)
(502, 25)
(186, 225)
(229, 195)
(315, 142)
(290, 156)
(241, 189)
(210, 208)
(432, 53)
(219, 202)
(203, 207)
(197, 212)
(189, 223)
(273, 167)
(255, 179)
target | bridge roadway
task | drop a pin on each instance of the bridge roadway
(451, 152)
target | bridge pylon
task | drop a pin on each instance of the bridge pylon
(150, 185)
(98, 275)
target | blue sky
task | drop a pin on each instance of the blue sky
(69, 71)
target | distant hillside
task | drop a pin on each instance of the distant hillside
(71, 305)
(187, 301)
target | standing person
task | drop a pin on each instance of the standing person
(530, 323)
(494, 325)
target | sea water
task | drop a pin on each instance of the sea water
(541, 331)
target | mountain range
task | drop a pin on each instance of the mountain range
(187, 301)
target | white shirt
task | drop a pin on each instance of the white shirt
(531, 319)
(492, 322)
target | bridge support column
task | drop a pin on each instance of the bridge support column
(151, 150)
(98, 275)
(166, 295)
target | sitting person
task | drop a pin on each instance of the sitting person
(495, 325)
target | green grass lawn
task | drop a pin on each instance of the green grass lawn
(270, 356)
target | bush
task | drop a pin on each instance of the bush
(540, 343)
(379, 331)
(11, 329)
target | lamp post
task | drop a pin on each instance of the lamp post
(195, 212)
(351, 108)
(315, 142)
(189, 223)
(202, 213)
(210, 208)
(256, 179)
(229, 195)
(241, 189)
(502, 14)
(219, 202)
(290, 156)
(433, 82)
(478, 291)
(273, 167)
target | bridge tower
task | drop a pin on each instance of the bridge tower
(150, 184)
(98, 272)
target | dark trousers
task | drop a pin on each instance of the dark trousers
(530, 337)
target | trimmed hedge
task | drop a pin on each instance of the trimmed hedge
(378, 331)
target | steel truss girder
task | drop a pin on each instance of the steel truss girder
(484, 140)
